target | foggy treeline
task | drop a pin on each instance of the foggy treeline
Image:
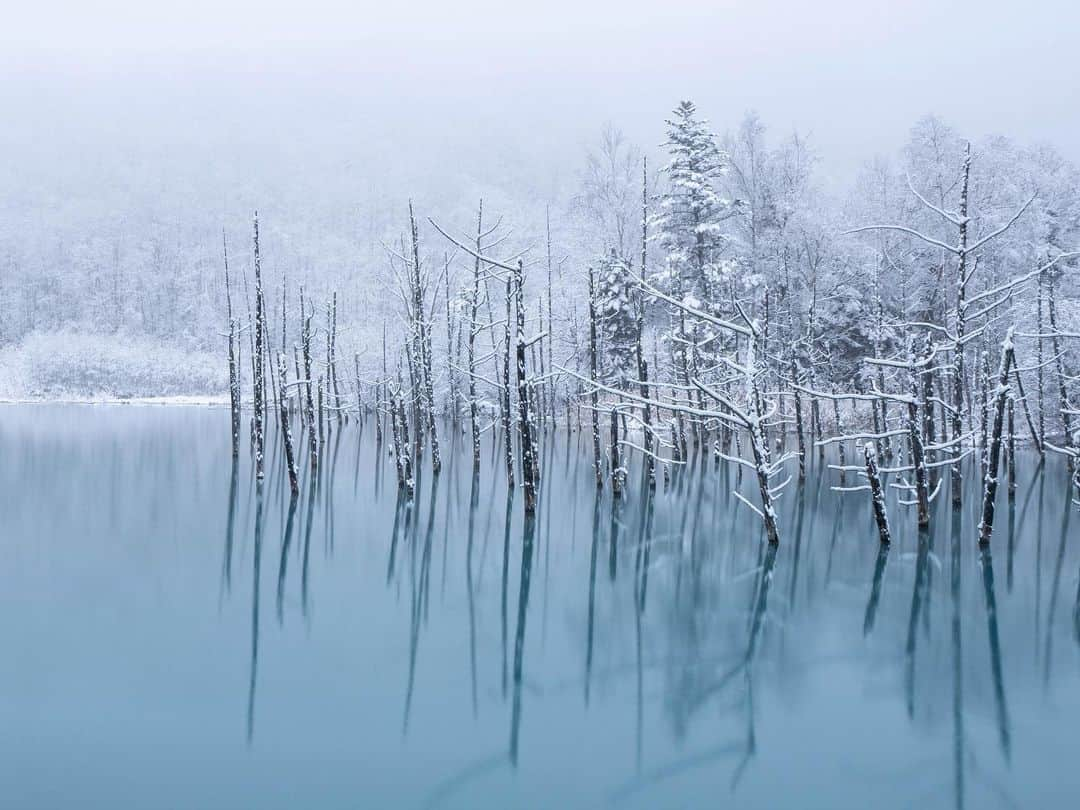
(113, 262)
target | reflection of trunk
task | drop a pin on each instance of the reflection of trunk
(919, 599)
(957, 663)
(875, 589)
(474, 500)
(505, 580)
(519, 635)
(255, 612)
(592, 596)
(1002, 709)
(286, 542)
(230, 522)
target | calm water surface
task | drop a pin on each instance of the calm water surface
(166, 645)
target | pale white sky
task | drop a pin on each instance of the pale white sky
(854, 73)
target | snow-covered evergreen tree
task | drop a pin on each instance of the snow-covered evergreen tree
(689, 226)
(618, 320)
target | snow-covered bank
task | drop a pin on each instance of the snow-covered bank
(210, 401)
(79, 367)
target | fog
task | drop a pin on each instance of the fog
(134, 134)
(422, 80)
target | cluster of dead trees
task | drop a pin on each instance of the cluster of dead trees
(670, 378)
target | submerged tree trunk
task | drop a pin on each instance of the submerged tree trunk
(286, 432)
(260, 365)
(986, 525)
(877, 495)
(234, 346)
(529, 460)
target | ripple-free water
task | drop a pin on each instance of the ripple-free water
(164, 648)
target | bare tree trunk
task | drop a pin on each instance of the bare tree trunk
(451, 375)
(594, 394)
(839, 432)
(332, 360)
(259, 389)
(1063, 398)
(986, 525)
(1027, 413)
(880, 515)
(234, 345)
(643, 367)
(506, 416)
(958, 344)
(474, 305)
(918, 456)
(928, 406)
(616, 463)
(313, 432)
(286, 433)
(527, 428)
(551, 322)
(1040, 387)
(795, 381)
(424, 335)
(1011, 446)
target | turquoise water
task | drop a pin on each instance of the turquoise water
(164, 646)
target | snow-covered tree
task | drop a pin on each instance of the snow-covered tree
(615, 292)
(690, 223)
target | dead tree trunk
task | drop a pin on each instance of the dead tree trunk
(986, 525)
(1063, 398)
(527, 429)
(958, 343)
(286, 433)
(332, 356)
(1011, 448)
(260, 365)
(506, 415)
(877, 495)
(928, 406)
(424, 338)
(616, 463)
(796, 380)
(234, 345)
(474, 306)
(594, 394)
(313, 432)
(918, 456)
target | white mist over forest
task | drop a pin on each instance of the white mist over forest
(134, 135)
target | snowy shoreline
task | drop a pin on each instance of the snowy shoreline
(206, 401)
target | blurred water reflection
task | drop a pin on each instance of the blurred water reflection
(175, 635)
